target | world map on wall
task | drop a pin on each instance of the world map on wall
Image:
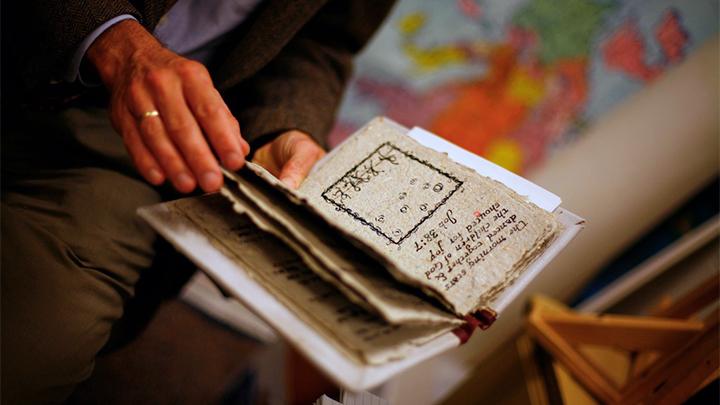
(511, 80)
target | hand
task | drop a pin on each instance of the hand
(144, 76)
(290, 157)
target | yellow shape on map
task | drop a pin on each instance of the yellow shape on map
(506, 153)
(525, 88)
(412, 22)
(427, 59)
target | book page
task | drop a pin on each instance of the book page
(362, 279)
(365, 336)
(459, 236)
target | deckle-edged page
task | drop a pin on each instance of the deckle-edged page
(459, 236)
(359, 277)
(241, 204)
(366, 337)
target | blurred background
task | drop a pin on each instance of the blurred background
(612, 105)
(514, 80)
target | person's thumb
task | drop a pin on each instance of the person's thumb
(303, 156)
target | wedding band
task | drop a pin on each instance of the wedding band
(153, 113)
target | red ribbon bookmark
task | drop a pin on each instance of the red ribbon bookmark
(482, 319)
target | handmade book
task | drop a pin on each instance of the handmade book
(396, 247)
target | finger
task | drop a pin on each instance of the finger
(156, 140)
(264, 158)
(143, 160)
(213, 116)
(303, 156)
(182, 128)
(243, 143)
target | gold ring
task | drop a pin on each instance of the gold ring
(153, 113)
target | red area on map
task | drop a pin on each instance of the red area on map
(671, 36)
(625, 49)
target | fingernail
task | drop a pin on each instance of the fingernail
(184, 181)
(246, 146)
(155, 176)
(234, 161)
(209, 181)
(290, 182)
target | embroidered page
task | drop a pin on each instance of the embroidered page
(361, 279)
(440, 226)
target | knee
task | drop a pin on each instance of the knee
(104, 230)
(56, 316)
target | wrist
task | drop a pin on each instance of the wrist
(123, 43)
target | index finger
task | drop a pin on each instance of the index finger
(218, 124)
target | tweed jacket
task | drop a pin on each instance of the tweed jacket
(284, 68)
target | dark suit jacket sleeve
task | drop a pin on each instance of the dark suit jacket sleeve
(49, 32)
(302, 86)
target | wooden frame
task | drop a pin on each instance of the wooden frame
(672, 354)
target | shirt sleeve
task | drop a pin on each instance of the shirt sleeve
(73, 71)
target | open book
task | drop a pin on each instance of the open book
(395, 246)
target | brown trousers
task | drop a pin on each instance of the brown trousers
(74, 253)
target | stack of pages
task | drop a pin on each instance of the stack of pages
(388, 247)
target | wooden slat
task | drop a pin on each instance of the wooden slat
(627, 332)
(688, 350)
(694, 301)
(677, 376)
(594, 380)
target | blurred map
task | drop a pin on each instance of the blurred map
(513, 79)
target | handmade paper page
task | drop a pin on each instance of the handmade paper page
(361, 279)
(459, 236)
